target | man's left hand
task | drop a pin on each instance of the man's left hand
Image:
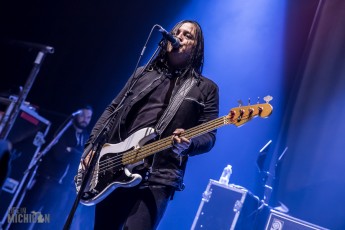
(180, 143)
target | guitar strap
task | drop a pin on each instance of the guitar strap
(174, 104)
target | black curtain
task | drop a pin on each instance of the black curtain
(312, 171)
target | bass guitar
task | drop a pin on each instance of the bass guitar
(115, 162)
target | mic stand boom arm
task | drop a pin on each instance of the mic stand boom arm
(51, 144)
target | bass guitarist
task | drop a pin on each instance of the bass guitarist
(171, 96)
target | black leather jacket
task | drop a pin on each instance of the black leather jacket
(198, 106)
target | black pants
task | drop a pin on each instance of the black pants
(138, 208)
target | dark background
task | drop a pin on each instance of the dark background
(96, 45)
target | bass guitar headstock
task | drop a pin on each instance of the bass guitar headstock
(242, 114)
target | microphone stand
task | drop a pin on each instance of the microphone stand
(95, 145)
(272, 175)
(43, 50)
(269, 175)
(35, 162)
(160, 45)
(51, 144)
(98, 142)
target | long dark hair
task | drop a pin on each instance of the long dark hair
(196, 62)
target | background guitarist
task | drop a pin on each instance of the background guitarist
(53, 190)
(170, 95)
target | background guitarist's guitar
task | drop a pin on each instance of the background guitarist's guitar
(116, 161)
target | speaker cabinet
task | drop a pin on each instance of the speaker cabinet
(280, 221)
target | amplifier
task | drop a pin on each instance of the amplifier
(27, 136)
(280, 221)
(226, 207)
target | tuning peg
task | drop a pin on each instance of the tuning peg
(232, 114)
(268, 98)
(260, 109)
(241, 112)
(248, 101)
(240, 102)
(258, 100)
(251, 111)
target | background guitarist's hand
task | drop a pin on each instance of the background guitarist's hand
(180, 143)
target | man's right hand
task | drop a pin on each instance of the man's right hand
(86, 161)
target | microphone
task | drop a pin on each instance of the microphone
(44, 48)
(175, 42)
(77, 112)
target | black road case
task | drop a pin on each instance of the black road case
(227, 207)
